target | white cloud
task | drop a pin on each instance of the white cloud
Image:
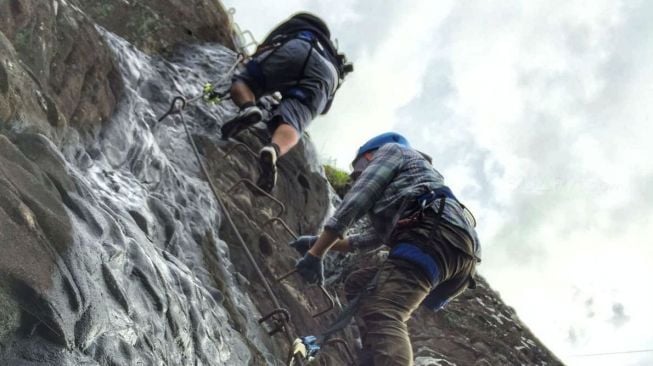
(533, 92)
(388, 75)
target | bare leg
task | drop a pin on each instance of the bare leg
(249, 113)
(241, 93)
(286, 137)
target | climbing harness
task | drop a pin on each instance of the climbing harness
(428, 200)
(309, 346)
(424, 202)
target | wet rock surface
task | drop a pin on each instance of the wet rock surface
(114, 250)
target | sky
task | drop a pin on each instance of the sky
(538, 114)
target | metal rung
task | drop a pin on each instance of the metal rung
(283, 223)
(240, 145)
(253, 186)
(279, 317)
(330, 301)
(325, 293)
(242, 43)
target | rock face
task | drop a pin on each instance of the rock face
(56, 70)
(157, 25)
(476, 329)
(114, 249)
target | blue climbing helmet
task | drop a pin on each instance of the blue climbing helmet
(380, 140)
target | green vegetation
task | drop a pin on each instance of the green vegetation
(339, 179)
(23, 37)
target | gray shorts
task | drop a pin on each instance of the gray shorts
(305, 82)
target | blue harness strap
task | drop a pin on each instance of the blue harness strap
(413, 254)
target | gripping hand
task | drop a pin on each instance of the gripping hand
(303, 243)
(311, 269)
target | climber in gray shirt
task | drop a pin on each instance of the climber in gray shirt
(298, 60)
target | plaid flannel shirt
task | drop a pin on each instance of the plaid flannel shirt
(395, 177)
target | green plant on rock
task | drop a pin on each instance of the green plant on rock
(339, 179)
(23, 37)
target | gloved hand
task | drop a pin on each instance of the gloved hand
(303, 243)
(311, 269)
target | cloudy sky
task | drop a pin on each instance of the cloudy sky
(539, 114)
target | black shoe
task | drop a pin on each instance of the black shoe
(245, 119)
(268, 168)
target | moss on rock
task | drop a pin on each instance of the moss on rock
(339, 179)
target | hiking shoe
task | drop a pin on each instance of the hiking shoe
(245, 119)
(268, 168)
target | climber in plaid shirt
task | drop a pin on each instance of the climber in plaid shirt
(433, 245)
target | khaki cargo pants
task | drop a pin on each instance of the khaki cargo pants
(399, 290)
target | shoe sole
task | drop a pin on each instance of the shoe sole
(236, 126)
(267, 179)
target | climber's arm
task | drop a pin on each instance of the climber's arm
(364, 241)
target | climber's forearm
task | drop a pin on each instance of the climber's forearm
(324, 242)
(342, 245)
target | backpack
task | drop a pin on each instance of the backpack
(302, 22)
